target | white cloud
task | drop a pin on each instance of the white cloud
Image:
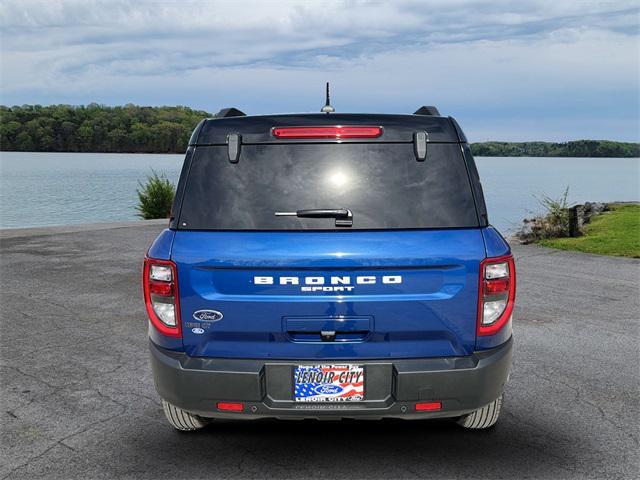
(507, 60)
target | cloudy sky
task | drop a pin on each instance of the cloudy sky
(508, 70)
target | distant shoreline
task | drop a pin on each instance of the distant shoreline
(182, 153)
(573, 149)
(131, 129)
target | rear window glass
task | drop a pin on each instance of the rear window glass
(382, 184)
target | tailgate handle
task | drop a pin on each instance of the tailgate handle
(327, 335)
(328, 329)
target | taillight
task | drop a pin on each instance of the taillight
(335, 131)
(160, 283)
(497, 294)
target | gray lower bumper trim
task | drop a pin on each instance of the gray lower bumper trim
(392, 387)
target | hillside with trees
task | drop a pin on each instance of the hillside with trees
(578, 148)
(97, 128)
(136, 129)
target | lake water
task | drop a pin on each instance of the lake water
(38, 189)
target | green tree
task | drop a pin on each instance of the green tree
(25, 142)
(84, 137)
(117, 140)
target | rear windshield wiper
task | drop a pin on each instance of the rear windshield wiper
(343, 216)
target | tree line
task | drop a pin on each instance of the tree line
(136, 129)
(97, 128)
(578, 148)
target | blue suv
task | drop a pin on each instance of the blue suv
(329, 266)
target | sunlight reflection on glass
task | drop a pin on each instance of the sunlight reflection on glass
(338, 178)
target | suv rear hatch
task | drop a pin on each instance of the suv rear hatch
(401, 282)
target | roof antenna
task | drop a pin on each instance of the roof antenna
(327, 107)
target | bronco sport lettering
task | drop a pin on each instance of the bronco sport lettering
(317, 284)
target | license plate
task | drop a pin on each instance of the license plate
(328, 383)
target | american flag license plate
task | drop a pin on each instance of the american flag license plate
(328, 383)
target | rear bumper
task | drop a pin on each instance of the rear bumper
(392, 387)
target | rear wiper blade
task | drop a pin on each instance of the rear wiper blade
(343, 216)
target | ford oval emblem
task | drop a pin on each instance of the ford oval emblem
(328, 389)
(198, 330)
(207, 315)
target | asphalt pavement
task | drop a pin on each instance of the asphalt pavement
(77, 397)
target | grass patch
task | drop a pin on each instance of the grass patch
(616, 232)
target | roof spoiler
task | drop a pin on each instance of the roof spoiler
(427, 110)
(230, 112)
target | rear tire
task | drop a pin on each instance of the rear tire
(181, 420)
(484, 417)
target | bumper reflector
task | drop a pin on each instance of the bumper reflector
(428, 406)
(230, 406)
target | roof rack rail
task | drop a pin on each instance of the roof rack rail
(230, 112)
(427, 110)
